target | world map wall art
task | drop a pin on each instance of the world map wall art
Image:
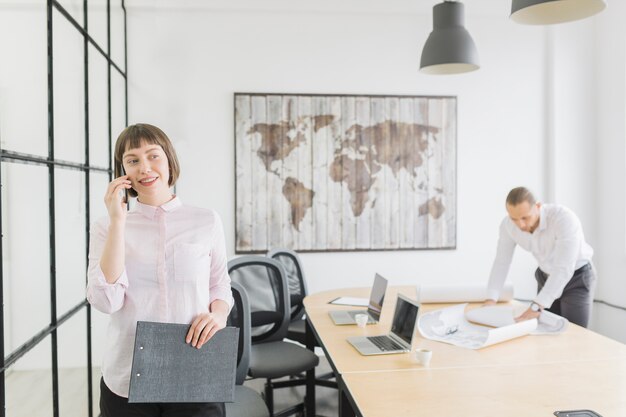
(344, 172)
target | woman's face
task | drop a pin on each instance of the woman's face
(148, 170)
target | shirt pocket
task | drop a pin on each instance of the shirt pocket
(192, 262)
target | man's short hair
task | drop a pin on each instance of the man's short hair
(519, 195)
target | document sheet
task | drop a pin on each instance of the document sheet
(450, 325)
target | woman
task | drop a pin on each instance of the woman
(161, 261)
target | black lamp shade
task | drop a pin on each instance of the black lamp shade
(449, 48)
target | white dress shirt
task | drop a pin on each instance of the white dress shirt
(175, 267)
(558, 244)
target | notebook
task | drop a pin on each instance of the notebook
(377, 296)
(166, 369)
(402, 331)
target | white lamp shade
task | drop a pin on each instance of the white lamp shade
(449, 48)
(547, 12)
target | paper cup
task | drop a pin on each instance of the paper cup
(423, 356)
(361, 320)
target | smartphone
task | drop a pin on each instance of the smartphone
(577, 413)
(125, 189)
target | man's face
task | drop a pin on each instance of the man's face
(525, 216)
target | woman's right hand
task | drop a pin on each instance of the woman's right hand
(114, 198)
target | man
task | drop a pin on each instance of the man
(554, 235)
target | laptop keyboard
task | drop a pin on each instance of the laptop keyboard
(385, 343)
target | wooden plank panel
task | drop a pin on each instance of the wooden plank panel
(275, 142)
(435, 166)
(421, 118)
(378, 226)
(449, 170)
(350, 196)
(259, 174)
(395, 152)
(320, 151)
(305, 166)
(335, 188)
(406, 176)
(243, 169)
(365, 180)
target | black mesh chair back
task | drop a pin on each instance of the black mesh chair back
(295, 279)
(240, 317)
(248, 403)
(264, 280)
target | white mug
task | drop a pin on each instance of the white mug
(423, 356)
(361, 320)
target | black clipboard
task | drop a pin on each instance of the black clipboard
(166, 369)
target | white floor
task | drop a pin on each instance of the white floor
(29, 393)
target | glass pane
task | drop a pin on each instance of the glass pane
(98, 110)
(69, 86)
(29, 384)
(117, 34)
(118, 106)
(74, 8)
(23, 79)
(98, 183)
(27, 254)
(73, 382)
(71, 242)
(99, 325)
(97, 15)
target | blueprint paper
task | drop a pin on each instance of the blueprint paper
(460, 293)
(500, 316)
(449, 325)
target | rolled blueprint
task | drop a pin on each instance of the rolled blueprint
(460, 293)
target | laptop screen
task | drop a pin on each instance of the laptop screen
(377, 297)
(404, 319)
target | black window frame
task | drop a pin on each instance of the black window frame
(7, 359)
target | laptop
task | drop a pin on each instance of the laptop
(377, 296)
(402, 331)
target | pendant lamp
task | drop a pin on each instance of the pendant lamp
(449, 48)
(547, 12)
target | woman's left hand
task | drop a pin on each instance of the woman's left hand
(204, 327)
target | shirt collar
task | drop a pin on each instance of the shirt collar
(542, 219)
(151, 211)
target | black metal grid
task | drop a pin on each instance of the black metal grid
(8, 156)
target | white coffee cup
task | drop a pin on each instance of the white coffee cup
(361, 320)
(423, 356)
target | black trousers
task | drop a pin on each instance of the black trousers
(112, 405)
(576, 301)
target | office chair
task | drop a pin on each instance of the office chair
(248, 403)
(297, 291)
(271, 357)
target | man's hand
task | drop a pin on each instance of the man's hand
(528, 315)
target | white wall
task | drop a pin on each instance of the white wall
(189, 92)
(610, 188)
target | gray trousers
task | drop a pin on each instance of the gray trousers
(576, 301)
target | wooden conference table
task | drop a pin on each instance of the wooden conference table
(531, 376)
